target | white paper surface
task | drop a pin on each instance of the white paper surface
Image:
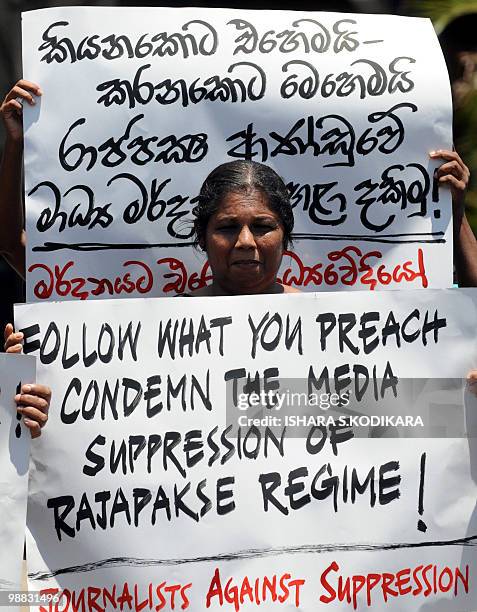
(95, 453)
(140, 105)
(15, 370)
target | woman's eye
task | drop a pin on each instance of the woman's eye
(258, 228)
(264, 227)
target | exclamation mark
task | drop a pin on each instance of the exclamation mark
(421, 525)
(18, 429)
(435, 194)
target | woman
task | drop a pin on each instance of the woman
(243, 222)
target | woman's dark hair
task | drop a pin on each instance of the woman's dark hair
(237, 177)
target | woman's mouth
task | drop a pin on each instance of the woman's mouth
(246, 262)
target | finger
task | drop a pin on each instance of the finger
(453, 175)
(13, 340)
(33, 414)
(444, 154)
(24, 85)
(26, 401)
(449, 156)
(451, 181)
(456, 161)
(7, 331)
(12, 106)
(452, 167)
(18, 92)
(37, 390)
(34, 427)
(16, 348)
(30, 86)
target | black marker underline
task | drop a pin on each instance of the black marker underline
(363, 236)
(254, 553)
(417, 238)
(411, 238)
(104, 246)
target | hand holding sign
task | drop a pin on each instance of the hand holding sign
(33, 400)
(455, 174)
(12, 234)
(11, 109)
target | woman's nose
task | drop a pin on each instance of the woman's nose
(245, 239)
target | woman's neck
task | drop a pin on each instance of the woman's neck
(215, 289)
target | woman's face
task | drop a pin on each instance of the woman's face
(244, 244)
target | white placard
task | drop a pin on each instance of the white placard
(141, 487)
(140, 105)
(15, 370)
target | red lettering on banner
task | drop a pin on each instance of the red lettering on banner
(381, 587)
(348, 266)
(357, 268)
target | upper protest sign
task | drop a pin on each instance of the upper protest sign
(140, 104)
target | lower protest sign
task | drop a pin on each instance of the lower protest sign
(15, 370)
(177, 472)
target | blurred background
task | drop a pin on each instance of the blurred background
(455, 22)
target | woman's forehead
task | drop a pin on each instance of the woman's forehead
(250, 202)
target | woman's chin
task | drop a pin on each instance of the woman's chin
(250, 277)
